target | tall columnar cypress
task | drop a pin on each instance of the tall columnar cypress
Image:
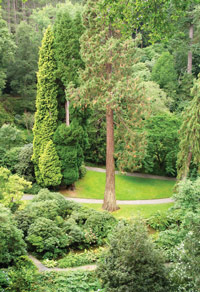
(46, 108)
(190, 135)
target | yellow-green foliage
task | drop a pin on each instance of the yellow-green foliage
(46, 106)
(11, 187)
(49, 165)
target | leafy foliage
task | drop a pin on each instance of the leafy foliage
(7, 47)
(132, 263)
(12, 244)
(11, 187)
(52, 225)
(163, 140)
(82, 281)
(24, 167)
(45, 236)
(10, 136)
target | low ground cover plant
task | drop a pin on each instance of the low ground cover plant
(74, 259)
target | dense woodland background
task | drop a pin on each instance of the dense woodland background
(65, 75)
(167, 70)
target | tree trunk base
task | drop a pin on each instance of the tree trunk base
(109, 203)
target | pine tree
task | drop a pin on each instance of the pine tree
(46, 103)
(50, 166)
(190, 135)
(106, 84)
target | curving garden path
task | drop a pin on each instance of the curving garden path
(120, 202)
(42, 268)
(135, 174)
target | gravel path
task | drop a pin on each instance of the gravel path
(143, 175)
(119, 202)
(42, 268)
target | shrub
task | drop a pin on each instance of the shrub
(46, 237)
(24, 219)
(82, 171)
(11, 158)
(185, 274)
(101, 224)
(75, 233)
(5, 280)
(161, 221)
(2, 154)
(48, 209)
(22, 275)
(70, 153)
(11, 187)
(132, 263)
(73, 281)
(188, 195)
(80, 259)
(11, 243)
(10, 137)
(24, 166)
(65, 207)
(34, 190)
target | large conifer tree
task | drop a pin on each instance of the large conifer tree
(67, 32)
(46, 109)
(190, 135)
(106, 84)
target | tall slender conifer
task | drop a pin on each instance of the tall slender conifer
(46, 109)
(190, 135)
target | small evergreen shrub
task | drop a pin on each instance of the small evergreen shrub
(44, 236)
(25, 167)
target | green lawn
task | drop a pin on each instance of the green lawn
(128, 211)
(127, 188)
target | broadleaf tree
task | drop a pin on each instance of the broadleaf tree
(106, 84)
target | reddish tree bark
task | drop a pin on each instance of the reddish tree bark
(109, 203)
(191, 32)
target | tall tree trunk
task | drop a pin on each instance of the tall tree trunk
(15, 14)
(109, 203)
(187, 167)
(23, 11)
(189, 66)
(67, 112)
(8, 11)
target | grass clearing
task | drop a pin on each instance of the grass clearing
(127, 188)
(128, 211)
